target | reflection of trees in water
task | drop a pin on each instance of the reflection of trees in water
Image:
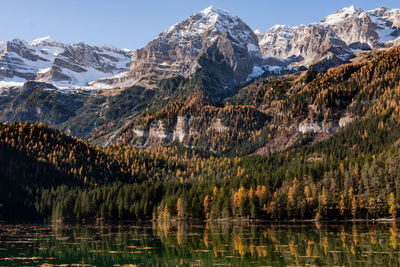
(177, 242)
(180, 233)
(343, 236)
(393, 235)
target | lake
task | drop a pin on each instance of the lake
(196, 244)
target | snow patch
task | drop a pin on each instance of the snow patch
(81, 78)
(384, 31)
(258, 71)
(9, 84)
(43, 70)
(252, 48)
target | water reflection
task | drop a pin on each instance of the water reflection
(167, 243)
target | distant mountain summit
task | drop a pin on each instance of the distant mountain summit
(335, 38)
(46, 41)
(48, 60)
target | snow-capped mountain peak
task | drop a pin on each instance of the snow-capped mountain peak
(222, 21)
(199, 40)
(341, 15)
(48, 40)
(391, 15)
(350, 10)
(335, 38)
(213, 12)
(283, 30)
(380, 11)
(211, 21)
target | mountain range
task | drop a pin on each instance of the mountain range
(194, 82)
(214, 40)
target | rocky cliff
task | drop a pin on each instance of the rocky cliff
(335, 38)
(212, 39)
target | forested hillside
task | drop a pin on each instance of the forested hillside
(270, 114)
(342, 165)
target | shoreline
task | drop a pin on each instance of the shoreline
(194, 221)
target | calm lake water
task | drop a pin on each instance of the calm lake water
(211, 244)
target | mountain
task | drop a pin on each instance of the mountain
(212, 39)
(305, 45)
(48, 60)
(334, 38)
(363, 29)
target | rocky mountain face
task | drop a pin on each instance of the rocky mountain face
(364, 29)
(212, 39)
(334, 38)
(48, 60)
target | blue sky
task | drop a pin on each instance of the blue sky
(132, 23)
